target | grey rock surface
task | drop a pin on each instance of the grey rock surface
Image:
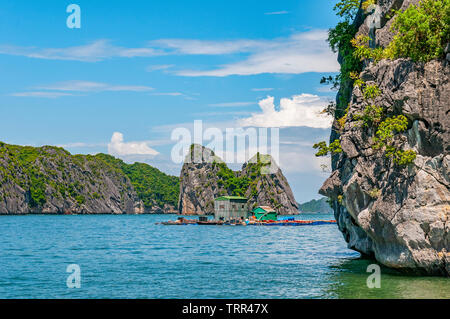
(74, 185)
(398, 215)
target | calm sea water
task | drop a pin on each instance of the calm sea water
(131, 257)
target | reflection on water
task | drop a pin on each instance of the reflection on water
(348, 280)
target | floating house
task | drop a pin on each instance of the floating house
(230, 208)
(263, 213)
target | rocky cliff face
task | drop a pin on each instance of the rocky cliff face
(207, 177)
(269, 186)
(50, 180)
(198, 182)
(399, 215)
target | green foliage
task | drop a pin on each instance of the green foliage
(374, 193)
(80, 199)
(335, 147)
(388, 128)
(347, 9)
(339, 39)
(237, 185)
(324, 150)
(384, 138)
(361, 45)
(23, 159)
(371, 91)
(421, 31)
(234, 184)
(341, 122)
(151, 185)
(357, 80)
(37, 191)
(366, 4)
(404, 158)
(364, 52)
(96, 195)
(371, 116)
(49, 170)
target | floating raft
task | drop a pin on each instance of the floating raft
(178, 223)
(252, 223)
(293, 223)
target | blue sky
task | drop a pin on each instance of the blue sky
(142, 68)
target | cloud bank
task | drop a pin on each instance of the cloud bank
(98, 50)
(87, 86)
(276, 13)
(300, 110)
(301, 52)
(118, 147)
(67, 89)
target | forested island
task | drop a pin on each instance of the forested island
(50, 180)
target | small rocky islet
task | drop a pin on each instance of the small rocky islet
(206, 177)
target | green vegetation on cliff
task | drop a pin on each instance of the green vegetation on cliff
(30, 169)
(420, 33)
(48, 173)
(237, 184)
(234, 184)
(151, 185)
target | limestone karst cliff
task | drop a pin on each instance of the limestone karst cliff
(204, 176)
(399, 214)
(50, 180)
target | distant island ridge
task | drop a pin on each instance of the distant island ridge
(50, 180)
(316, 206)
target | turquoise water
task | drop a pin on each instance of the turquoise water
(128, 256)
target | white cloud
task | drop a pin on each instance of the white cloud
(300, 53)
(232, 104)
(169, 94)
(158, 67)
(48, 95)
(232, 113)
(277, 12)
(96, 51)
(300, 110)
(66, 89)
(208, 47)
(262, 89)
(103, 49)
(118, 147)
(86, 86)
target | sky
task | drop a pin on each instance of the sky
(136, 70)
